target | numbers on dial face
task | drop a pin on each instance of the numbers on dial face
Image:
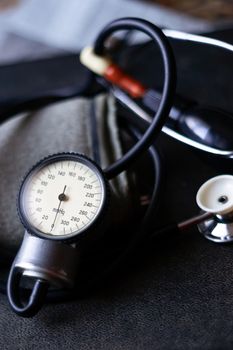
(62, 198)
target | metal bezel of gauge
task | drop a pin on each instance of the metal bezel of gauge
(25, 188)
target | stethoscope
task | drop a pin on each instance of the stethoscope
(64, 200)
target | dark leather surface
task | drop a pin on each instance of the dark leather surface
(179, 294)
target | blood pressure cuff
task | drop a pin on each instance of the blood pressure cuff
(82, 125)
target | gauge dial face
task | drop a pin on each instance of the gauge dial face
(62, 196)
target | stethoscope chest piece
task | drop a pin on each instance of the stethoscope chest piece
(216, 196)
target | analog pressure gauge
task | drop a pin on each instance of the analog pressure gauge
(62, 197)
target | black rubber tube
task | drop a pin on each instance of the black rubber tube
(168, 88)
(35, 298)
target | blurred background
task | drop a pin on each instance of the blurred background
(32, 29)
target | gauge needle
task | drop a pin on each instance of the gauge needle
(61, 198)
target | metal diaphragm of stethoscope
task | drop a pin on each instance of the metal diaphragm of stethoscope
(63, 199)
